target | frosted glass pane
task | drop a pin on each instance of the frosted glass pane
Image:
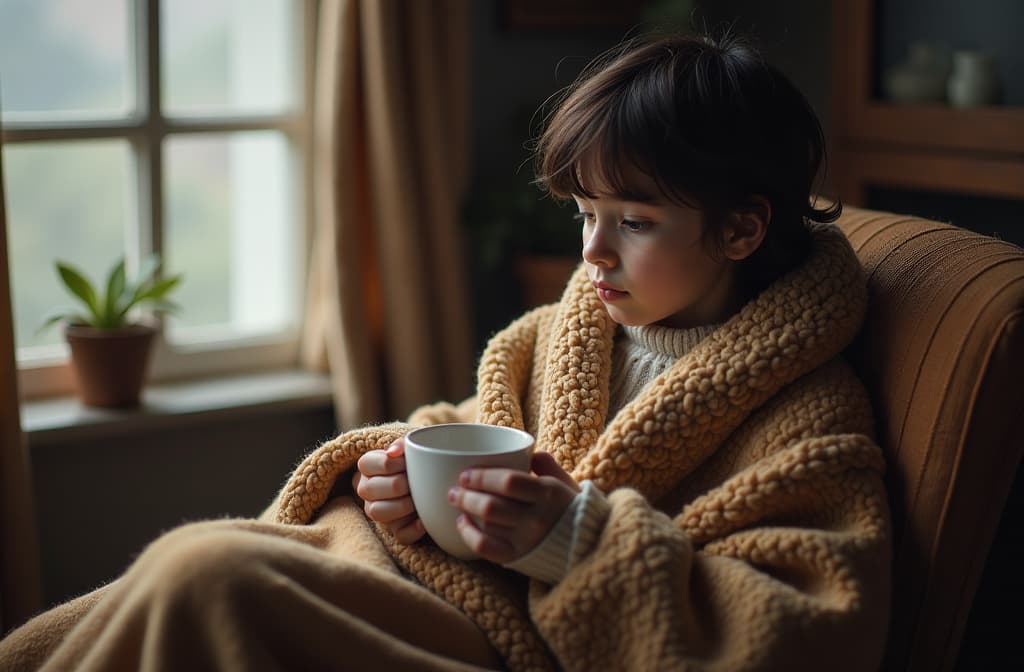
(63, 59)
(234, 57)
(231, 228)
(71, 201)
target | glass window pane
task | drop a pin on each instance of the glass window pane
(231, 227)
(66, 59)
(233, 57)
(71, 201)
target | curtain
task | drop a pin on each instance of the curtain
(19, 583)
(388, 308)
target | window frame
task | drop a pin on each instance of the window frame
(145, 133)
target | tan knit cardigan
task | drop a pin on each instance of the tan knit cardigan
(749, 526)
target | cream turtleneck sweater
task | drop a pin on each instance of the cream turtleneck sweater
(640, 355)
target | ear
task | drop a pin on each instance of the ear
(746, 229)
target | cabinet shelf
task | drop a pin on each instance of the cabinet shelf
(996, 130)
(865, 166)
(933, 147)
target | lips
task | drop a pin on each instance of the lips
(607, 293)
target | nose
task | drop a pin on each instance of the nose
(598, 249)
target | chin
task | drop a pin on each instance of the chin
(624, 320)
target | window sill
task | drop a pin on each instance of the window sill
(174, 404)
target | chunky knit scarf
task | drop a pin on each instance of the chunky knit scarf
(693, 440)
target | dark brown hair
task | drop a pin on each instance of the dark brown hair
(711, 122)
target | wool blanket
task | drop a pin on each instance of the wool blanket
(749, 525)
(748, 528)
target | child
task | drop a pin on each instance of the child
(706, 492)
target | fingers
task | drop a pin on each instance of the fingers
(380, 474)
(544, 464)
(398, 516)
(390, 510)
(506, 513)
(486, 545)
(491, 510)
(397, 448)
(380, 480)
(407, 530)
(382, 462)
(382, 487)
(517, 485)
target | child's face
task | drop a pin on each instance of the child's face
(649, 264)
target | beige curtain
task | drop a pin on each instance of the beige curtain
(19, 585)
(388, 303)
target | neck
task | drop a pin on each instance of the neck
(723, 299)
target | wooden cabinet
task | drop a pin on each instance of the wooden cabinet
(969, 164)
(932, 147)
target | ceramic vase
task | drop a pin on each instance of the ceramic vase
(974, 80)
(922, 77)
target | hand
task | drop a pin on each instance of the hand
(506, 513)
(381, 482)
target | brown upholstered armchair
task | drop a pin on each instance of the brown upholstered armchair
(942, 354)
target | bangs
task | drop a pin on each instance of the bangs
(601, 141)
(606, 168)
(586, 151)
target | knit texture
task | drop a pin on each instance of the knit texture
(641, 354)
(775, 550)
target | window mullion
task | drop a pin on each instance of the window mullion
(148, 233)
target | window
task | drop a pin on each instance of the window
(175, 126)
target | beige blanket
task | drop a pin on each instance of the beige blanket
(749, 526)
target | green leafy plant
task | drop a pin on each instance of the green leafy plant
(110, 308)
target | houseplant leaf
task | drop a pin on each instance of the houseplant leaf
(151, 294)
(66, 314)
(115, 291)
(80, 286)
(147, 272)
(147, 289)
(158, 290)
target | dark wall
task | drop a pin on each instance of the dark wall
(794, 35)
(514, 69)
(101, 497)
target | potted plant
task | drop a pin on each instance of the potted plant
(110, 345)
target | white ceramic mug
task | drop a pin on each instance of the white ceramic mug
(436, 455)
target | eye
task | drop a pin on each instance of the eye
(583, 217)
(634, 226)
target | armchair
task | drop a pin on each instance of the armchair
(942, 355)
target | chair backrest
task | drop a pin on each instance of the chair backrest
(942, 355)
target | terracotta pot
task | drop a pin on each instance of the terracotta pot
(543, 278)
(110, 364)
